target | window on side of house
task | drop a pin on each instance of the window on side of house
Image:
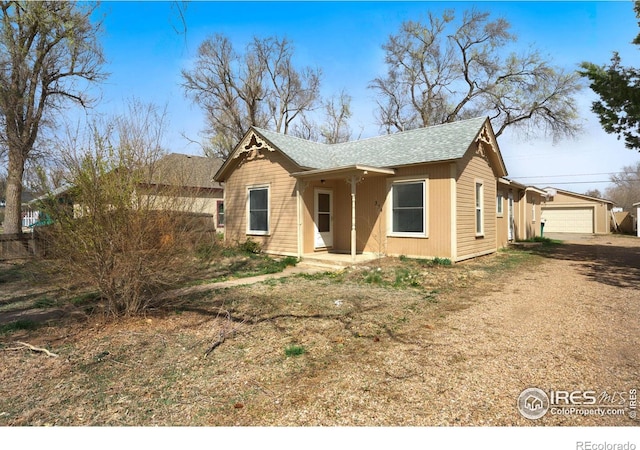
(408, 208)
(220, 213)
(258, 210)
(499, 204)
(479, 208)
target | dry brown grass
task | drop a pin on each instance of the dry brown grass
(376, 353)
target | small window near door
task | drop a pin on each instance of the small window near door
(408, 208)
(499, 204)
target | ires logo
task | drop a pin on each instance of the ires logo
(534, 403)
(573, 398)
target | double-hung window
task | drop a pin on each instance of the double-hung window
(258, 210)
(408, 208)
(220, 213)
(479, 208)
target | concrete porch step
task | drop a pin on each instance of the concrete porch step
(335, 260)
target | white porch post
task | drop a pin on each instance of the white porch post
(353, 218)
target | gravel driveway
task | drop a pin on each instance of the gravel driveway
(570, 325)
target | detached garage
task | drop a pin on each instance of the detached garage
(569, 212)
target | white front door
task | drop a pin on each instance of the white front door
(510, 215)
(323, 218)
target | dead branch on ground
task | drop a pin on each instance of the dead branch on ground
(24, 345)
(225, 331)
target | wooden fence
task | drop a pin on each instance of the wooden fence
(20, 246)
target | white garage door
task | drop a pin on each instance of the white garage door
(568, 220)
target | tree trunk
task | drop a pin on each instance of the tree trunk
(13, 211)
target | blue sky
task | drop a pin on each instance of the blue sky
(146, 55)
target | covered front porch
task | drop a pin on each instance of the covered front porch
(330, 217)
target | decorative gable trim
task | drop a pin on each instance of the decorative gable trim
(487, 148)
(485, 143)
(252, 146)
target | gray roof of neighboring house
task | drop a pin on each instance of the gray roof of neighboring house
(174, 169)
(177, 169)
(436, 143)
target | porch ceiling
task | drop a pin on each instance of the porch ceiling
(342, 172)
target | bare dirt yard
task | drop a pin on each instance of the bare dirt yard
(396, 343)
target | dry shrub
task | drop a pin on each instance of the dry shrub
(117, 229)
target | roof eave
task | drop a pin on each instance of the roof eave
(535, 189)
(575, 194)
(221, 174)
(338, 172)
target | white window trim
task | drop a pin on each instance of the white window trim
(500, 204)
(478, 206)
(425, 221)
(218, 202)
(248, 212)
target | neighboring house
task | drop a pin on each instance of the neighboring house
(177, 181)
(569, 212)
(421, 193)
(187, 182)
(637, 226)
(518, 210)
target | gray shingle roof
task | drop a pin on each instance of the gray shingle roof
(177, 169)
(436, 143)
(308, 154)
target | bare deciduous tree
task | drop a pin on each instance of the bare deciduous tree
(336, 128)
(440, 72)
(289, 92)
(48, 54)
(594, 193)
(625, 190)
(261, 87)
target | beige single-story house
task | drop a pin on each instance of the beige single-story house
(185, 182)
(175, 182)
(428, 192)
(518, 211)
(570, 212)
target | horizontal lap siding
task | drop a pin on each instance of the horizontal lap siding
(198, 205)
(371, 214)
(371, 194)
(474, 167)
(502, 221)
(533, 220)
(270, 169)
(438, 242)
